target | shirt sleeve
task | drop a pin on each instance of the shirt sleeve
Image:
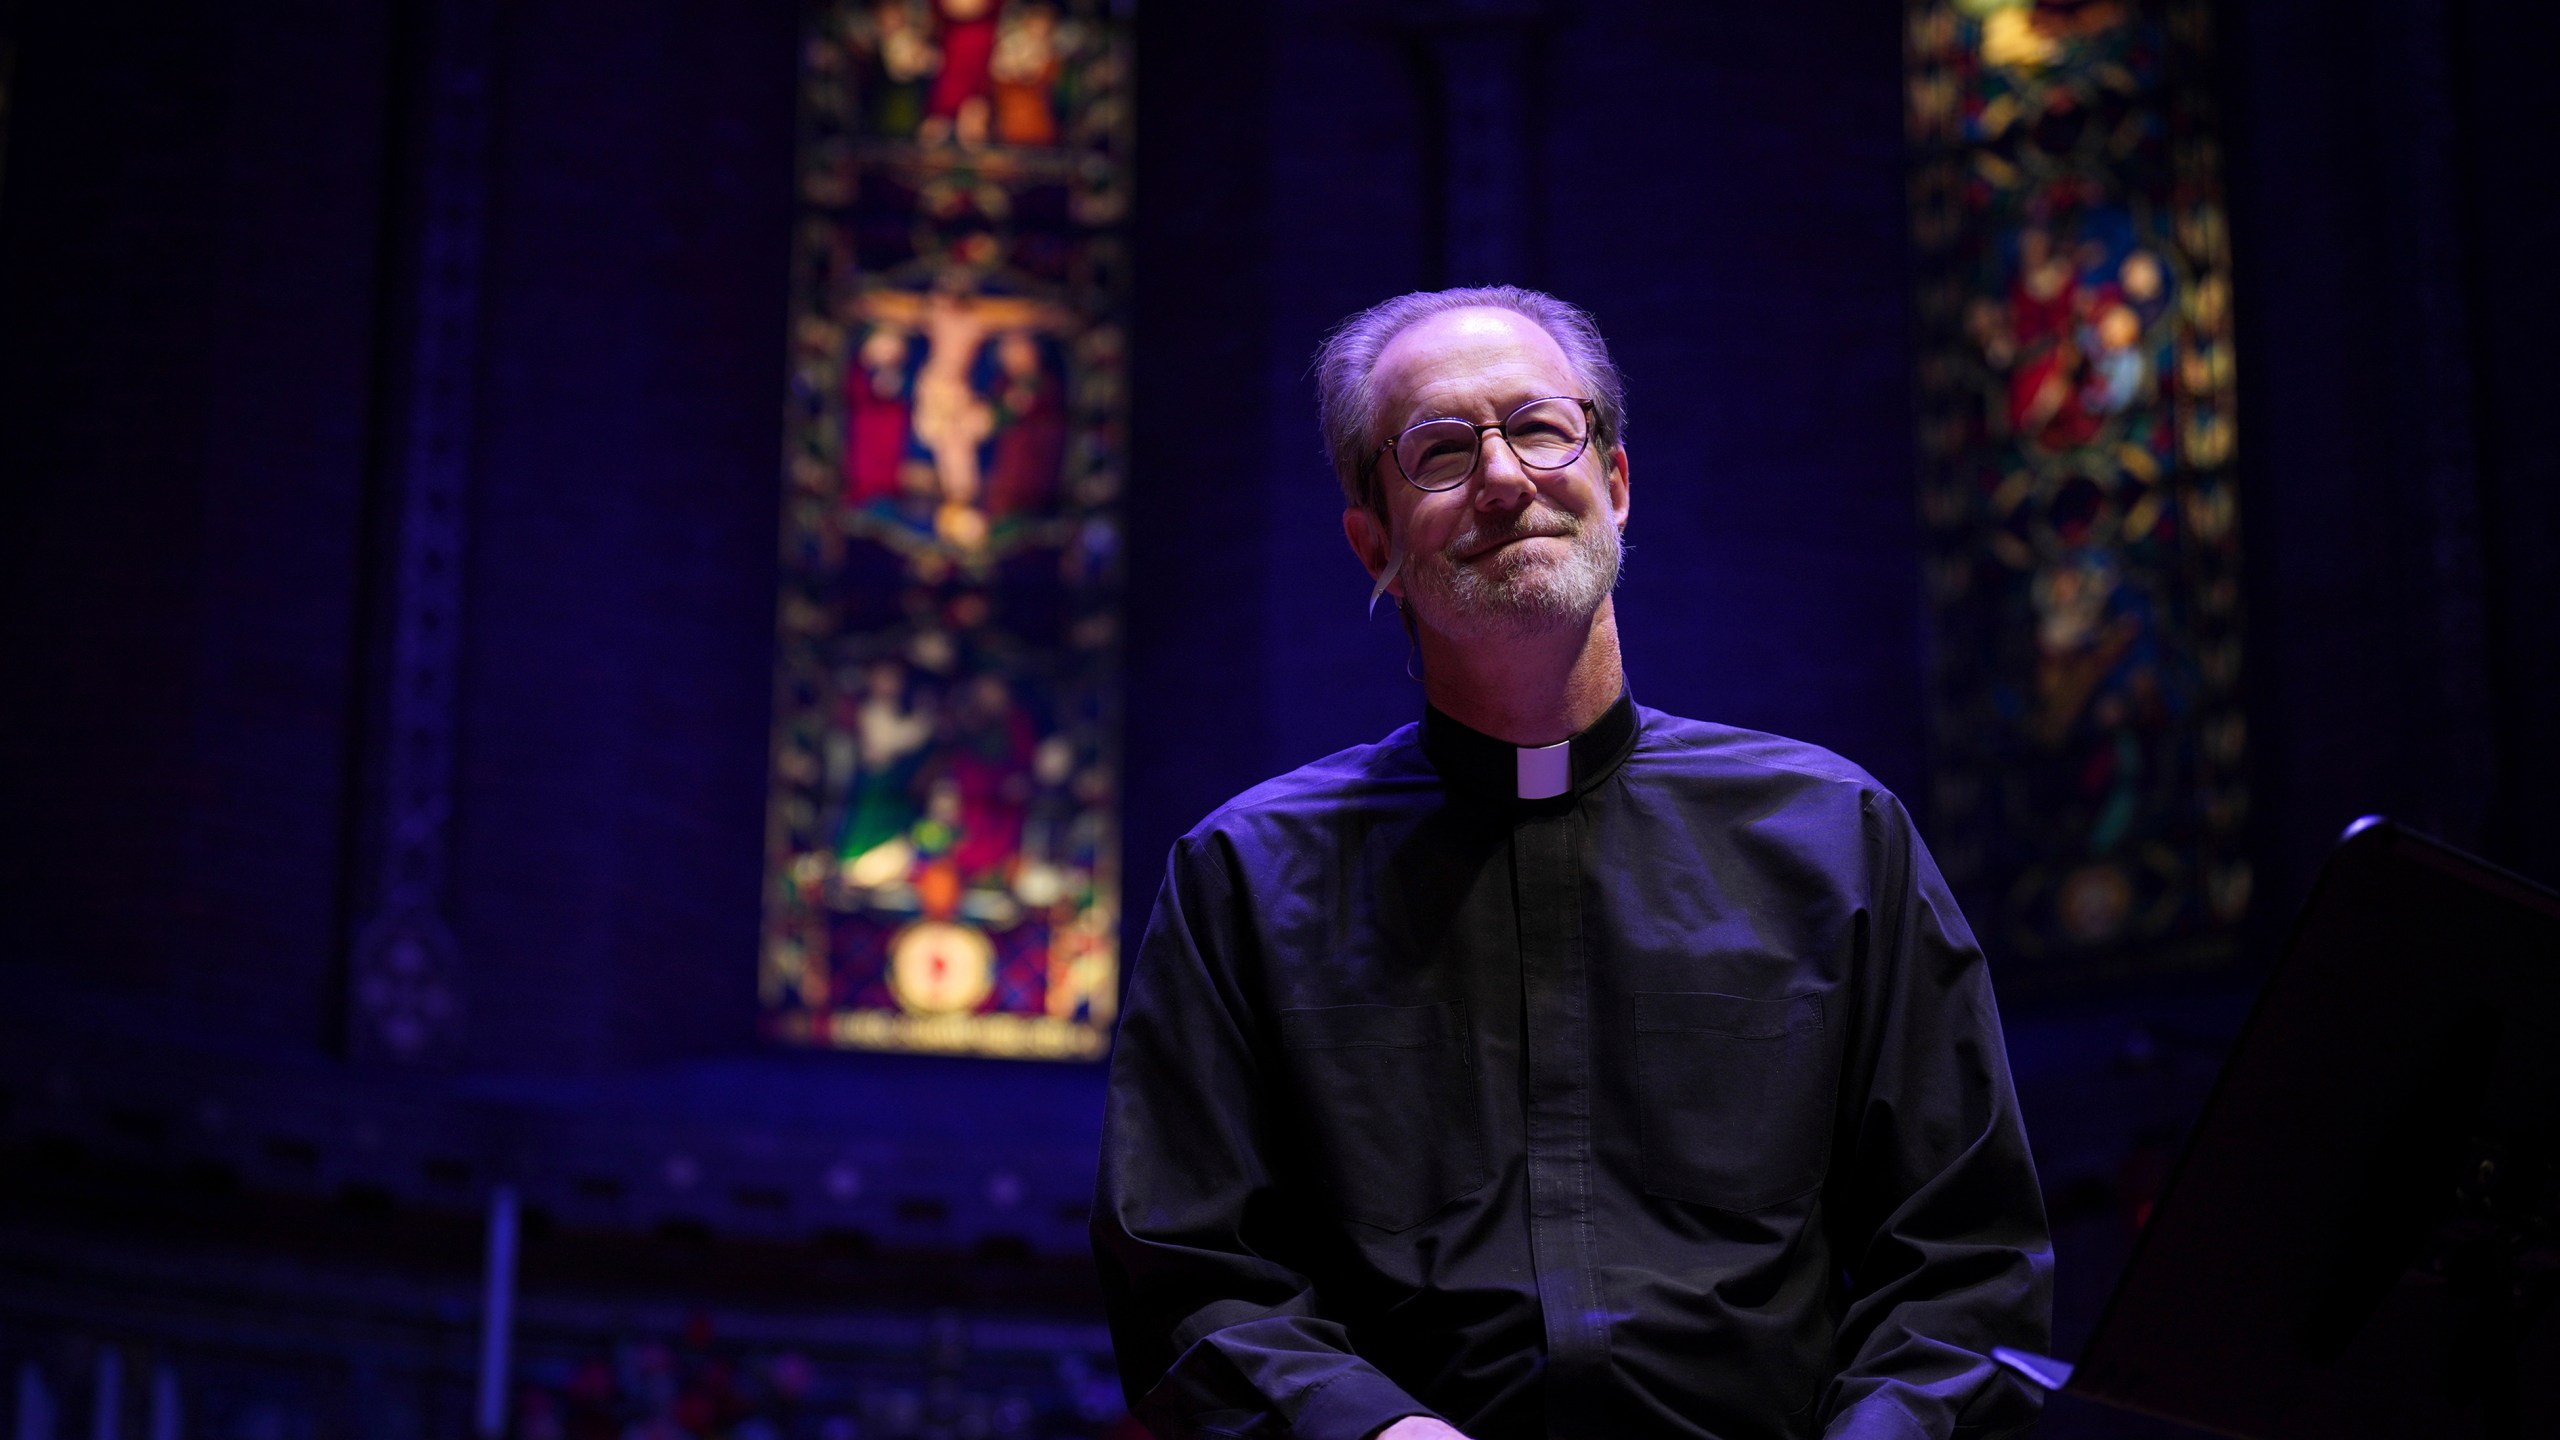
(1214, 1335)
(1937, 1217)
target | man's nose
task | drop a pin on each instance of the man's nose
(1501, 481)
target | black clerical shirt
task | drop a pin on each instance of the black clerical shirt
(1671, 1105)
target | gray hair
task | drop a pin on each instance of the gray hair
(1346, 365)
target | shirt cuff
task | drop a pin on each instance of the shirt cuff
(1352, 1405)
(1875, 1418)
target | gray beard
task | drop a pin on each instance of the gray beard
(1519, 594)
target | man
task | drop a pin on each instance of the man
(1554, 1067)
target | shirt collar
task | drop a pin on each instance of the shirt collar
(1475, 764)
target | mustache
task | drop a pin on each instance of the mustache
(1529, 524)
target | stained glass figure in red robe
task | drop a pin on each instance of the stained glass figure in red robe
(878, 392)
(1031, 437)
(989, 753)
(2043, 300)
(957, 108)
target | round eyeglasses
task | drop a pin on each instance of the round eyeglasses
(1545, 434)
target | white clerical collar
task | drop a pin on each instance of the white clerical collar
(1546, 771)
(1481, 767)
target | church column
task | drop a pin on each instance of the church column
(404, 992)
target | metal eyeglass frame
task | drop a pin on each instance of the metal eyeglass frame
(1590, 428)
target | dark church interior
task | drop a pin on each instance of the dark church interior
(553, 551)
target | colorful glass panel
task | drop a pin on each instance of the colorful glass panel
(941, 858)
(2075, 431)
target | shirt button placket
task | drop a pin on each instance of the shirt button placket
(1556, 1004)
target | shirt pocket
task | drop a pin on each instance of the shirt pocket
(1736, 1097)
(1389, 1096)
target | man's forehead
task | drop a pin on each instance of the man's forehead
(1480, 352)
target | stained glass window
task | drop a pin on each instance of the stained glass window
(941, 843)
(2076, 432)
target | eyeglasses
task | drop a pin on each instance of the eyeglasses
(1545, 434)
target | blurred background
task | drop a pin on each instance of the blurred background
(609, 609)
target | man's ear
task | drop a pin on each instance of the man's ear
(1368, 536)
(1618, 493)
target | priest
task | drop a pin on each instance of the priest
(1554, 1067)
